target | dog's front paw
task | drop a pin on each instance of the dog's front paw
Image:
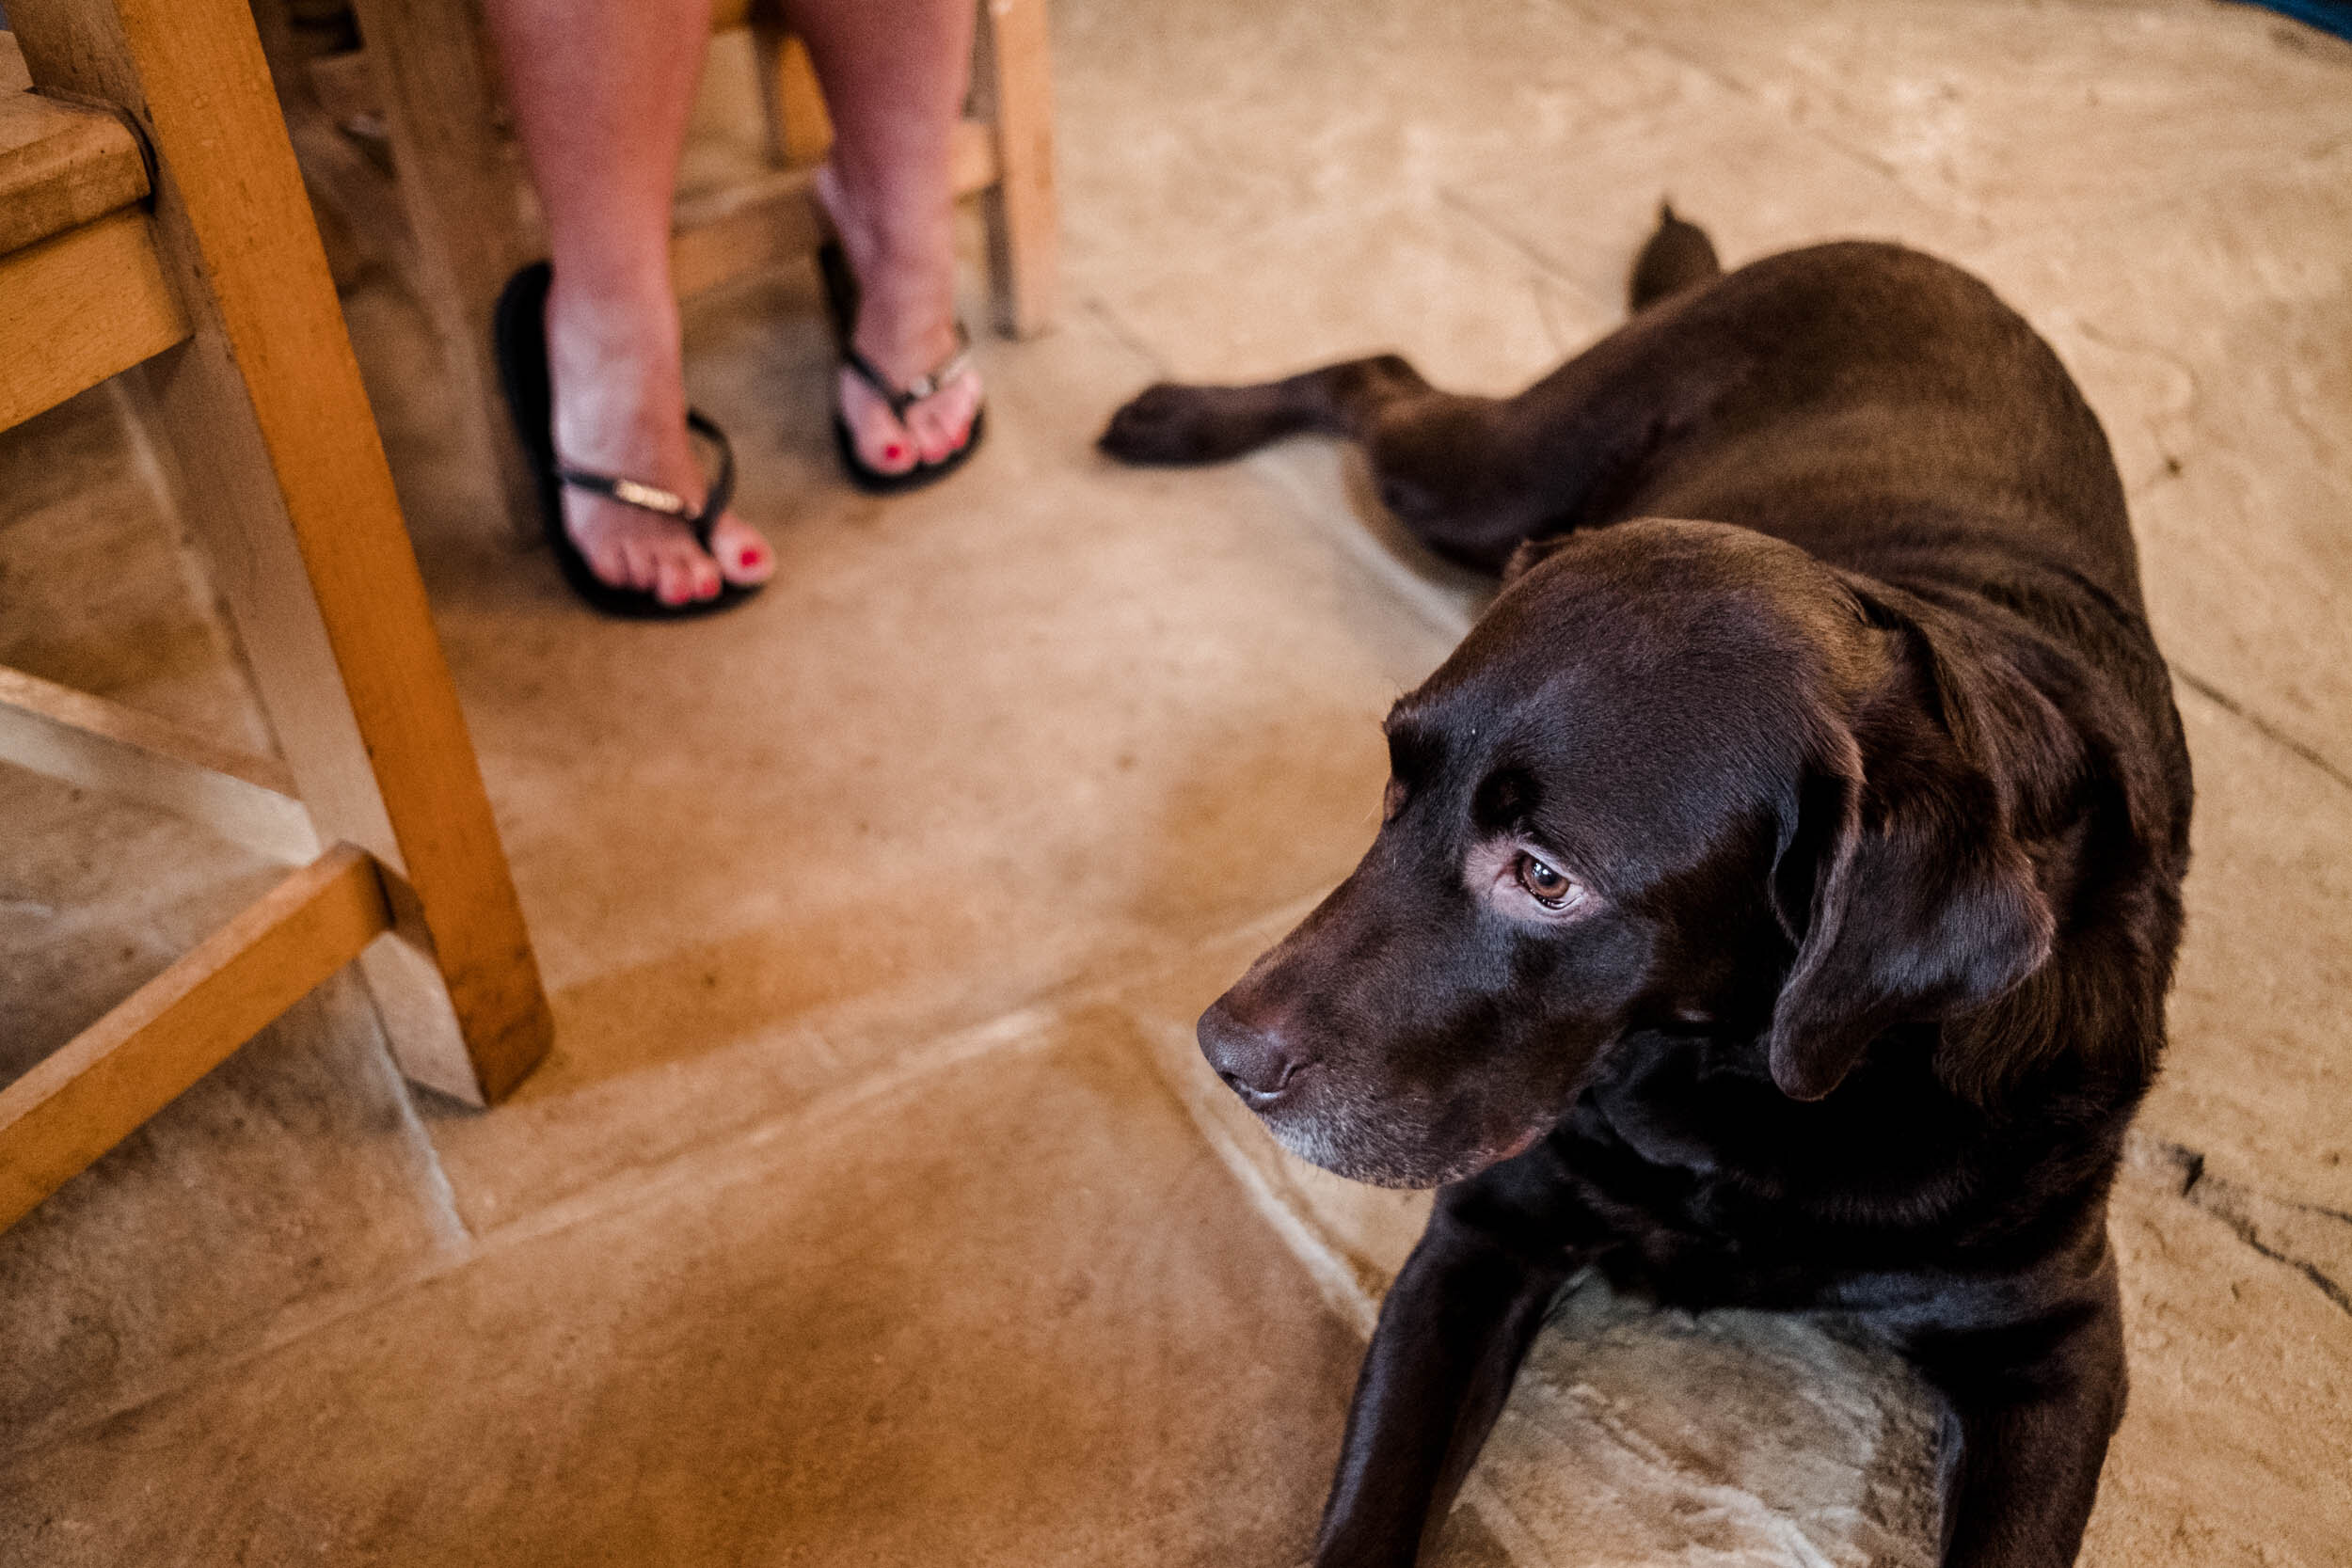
(1169, 423)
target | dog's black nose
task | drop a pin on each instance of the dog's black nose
(1252, 1058)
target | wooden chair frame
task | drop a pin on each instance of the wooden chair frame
(167, 238)
(426, 71)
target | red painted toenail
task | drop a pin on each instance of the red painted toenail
(748, 560)
(893, 452)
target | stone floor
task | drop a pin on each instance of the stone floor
(874, 1207)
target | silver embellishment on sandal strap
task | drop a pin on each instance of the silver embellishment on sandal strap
(652, 498)
(927, 386)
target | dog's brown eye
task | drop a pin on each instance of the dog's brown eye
(1546, 885)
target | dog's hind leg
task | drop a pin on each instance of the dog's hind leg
(1473, 477)
(1677, 256)
(1174, 423)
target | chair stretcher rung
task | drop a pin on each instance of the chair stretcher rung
(92, 743)
(80, 306)
(774, 219)
(98, 1088)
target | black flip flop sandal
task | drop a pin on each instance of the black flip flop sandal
(841, 297)
(518, 333)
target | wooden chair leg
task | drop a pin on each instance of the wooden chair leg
(1013, 88)
(792, 107)
(190, 399)
(470, 215)
(265, 411)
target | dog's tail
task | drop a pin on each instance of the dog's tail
(1677, 256)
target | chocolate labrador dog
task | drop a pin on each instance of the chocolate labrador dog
(1777, 891)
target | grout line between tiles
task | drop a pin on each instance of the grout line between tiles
(448, 1221)
(1341, 1286)
(1335, 1281)
(2256, 722)
(1324, 507)
(619, 1193)
(1535, 255)
(1125, 336)
(703, 1166)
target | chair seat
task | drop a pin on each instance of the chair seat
(76, 248)
(61, 165)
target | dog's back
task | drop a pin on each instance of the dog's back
(1886, 412)
(1868, 403)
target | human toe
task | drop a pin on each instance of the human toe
(608, 561)
(683, 575)
(942, 424)
(741, 556)
(642, 566)
(882, 443)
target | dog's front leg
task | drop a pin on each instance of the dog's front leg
(2032, 1407)
(1451, 1336)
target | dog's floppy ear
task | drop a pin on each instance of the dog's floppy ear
(1906, 895)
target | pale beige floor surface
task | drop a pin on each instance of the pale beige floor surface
(874, 1207)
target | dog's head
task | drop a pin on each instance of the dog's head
(1679, 777)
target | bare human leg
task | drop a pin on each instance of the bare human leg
(894, 73)
(601, 92)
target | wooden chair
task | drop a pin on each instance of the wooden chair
(424, 74)
(153, 225)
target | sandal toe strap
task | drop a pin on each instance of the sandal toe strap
(900, 399)
(667, 504)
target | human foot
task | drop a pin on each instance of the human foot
(906, 330)
(620, 409)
